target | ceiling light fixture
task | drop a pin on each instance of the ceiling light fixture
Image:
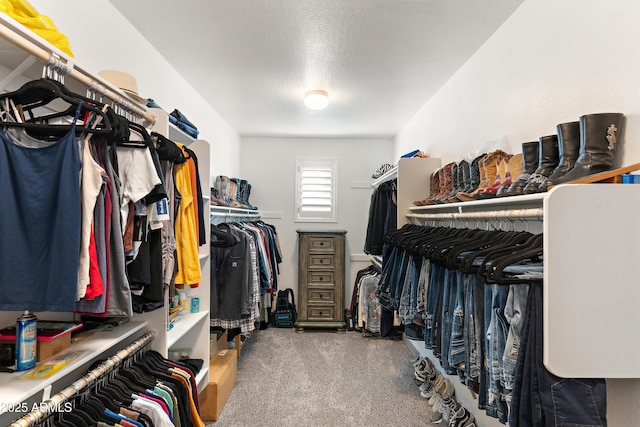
(316, 99)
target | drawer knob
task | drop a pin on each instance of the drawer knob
(321, 278)
(320, 313)
(321, 243)
(321, 261)
(320, 296)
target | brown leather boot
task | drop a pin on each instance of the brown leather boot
(434, 189)
(445, 183)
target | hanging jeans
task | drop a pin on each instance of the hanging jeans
(542, 399)
(496, 335)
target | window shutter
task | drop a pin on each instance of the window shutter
(316, 190)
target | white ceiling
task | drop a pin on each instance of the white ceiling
(380, 60)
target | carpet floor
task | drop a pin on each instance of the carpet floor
(322, 379)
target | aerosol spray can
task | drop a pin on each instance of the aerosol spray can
(26, 341)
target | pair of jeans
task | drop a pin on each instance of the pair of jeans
(496, 335)
(540, 398)
(473, 328)
(434, 299)
(448, 307)
(514, 313)
(457, 342)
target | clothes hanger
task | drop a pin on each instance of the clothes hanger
(533, 253)
(39, 93)
(535, 241)
(467, 264)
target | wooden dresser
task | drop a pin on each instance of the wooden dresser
(321, 272)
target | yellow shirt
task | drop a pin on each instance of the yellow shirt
(186, 227)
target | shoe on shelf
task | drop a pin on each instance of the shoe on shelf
(444, 410)
(462, 418)
(384, 168)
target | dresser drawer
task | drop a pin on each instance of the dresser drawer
(321, 312)
(319, 277)
(321, 295)
(322, 244)
(321, 260)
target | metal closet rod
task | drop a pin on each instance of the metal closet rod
(100, 371)
(28, 43)
(235, 215)
(512, 214)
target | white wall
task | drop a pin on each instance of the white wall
(269, 166)
(101, 38)
(551, 62)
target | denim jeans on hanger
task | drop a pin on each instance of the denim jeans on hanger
(404, 301)
(514, 312)
(541, 398)
(473, 329)
(496, 335)
(423, 289)
(457, 342)
(448, 307)
(434, 306)
(384, 286)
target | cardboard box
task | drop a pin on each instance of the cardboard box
(223, 371)
(46, 349)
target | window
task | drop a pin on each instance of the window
(316, 190)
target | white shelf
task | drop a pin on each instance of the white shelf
(16, 390)
(463, 394)
(509, 201)
(226, 210)
(202, 379)
(387, 176)
(183, 325)
(178, 135)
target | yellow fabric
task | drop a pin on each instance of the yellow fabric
(185, 227)
(22, 12)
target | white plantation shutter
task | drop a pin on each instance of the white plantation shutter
(315, 190)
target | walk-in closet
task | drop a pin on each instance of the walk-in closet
(319, 213)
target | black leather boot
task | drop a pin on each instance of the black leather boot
(568, 149)
(530, 159)
(547, 162)
(463, 166)
(598, 141)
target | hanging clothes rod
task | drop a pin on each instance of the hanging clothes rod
(24, 39)
(513, 214)
(235, 215)
(375, 260)
(98, 372)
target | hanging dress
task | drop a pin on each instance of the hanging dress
(39, 224)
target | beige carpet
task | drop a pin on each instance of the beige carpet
(323, 379)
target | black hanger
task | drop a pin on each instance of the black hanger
(38, 93)
(492, 257)
(467, 264)
(77, 419)
(532, 253)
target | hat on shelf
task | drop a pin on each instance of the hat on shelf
(125, 82)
